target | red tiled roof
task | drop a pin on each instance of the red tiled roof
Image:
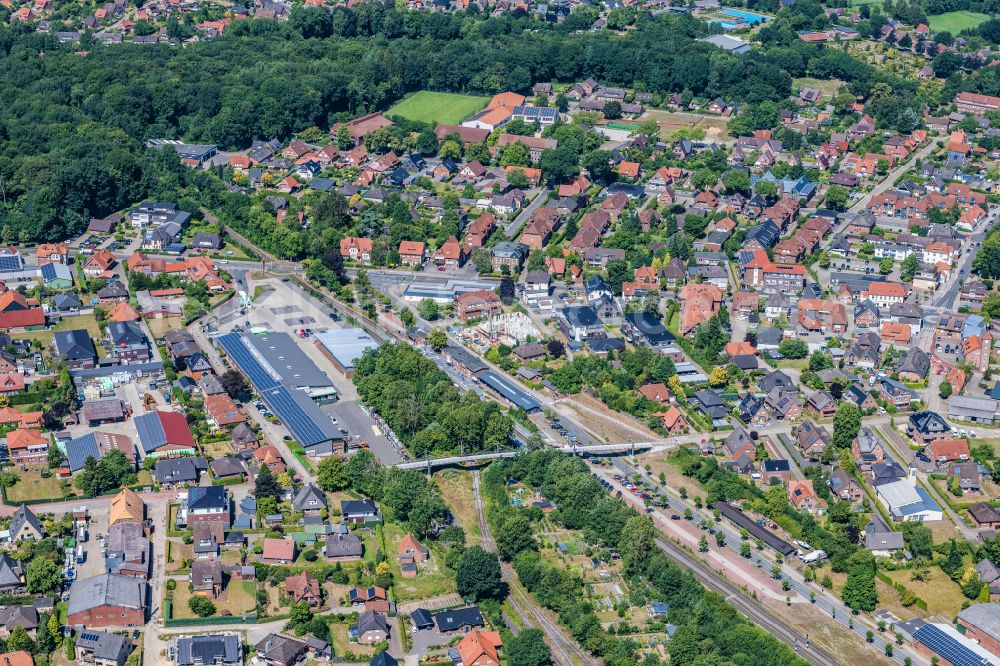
(22, 318)
(279, 549)
(22, 438)
(655, 392)
(175, 428)
(950, 449)
(19, 658)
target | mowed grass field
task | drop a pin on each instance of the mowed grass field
(435, 107)
(825, 86)
(955, 22)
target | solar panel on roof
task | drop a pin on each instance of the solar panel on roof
(947, 647)
(278, 397)
(150, 431)
(303, 428)
(10, 263)
(81, 448)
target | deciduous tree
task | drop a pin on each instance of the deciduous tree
(846, 424)
(478, 575)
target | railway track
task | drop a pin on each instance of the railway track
(565, 650)
(748, 607)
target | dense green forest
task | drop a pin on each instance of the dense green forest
(72, 126)
(421, 404)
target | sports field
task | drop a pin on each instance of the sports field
(955, 22)
(435, 107)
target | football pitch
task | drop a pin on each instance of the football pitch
(436, 107)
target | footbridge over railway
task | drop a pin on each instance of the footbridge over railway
(599, 449)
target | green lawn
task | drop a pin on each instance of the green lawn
(342, 645)
(31, 486)
(955, 22)
(714, 126)
(431, 579)
(941, 593)
(238, 598)
(435, 107)
(827, 87)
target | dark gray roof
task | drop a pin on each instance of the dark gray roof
(66, 301)
(880, 537)
(767, 335)
(779, 465)
(243, 433)
(128, 540)
(210, 385)
(766, 233)
(737, 438)
(209, 649)
(775, 379)
(11, 572)
(179, 470)
(107, 590)
(281, 649)
(929, 423)
(74, 345)
(127, 333)
(383, 659)
(203, 571)
(25, 515)
(105, 645)
(113, 290)
(286, 358)
(456, 618)
(582, 316)
(227, 466)
(866, 306)
(19, 616)
(207, 498)
(985, 617)
(916, 361)
(372, 621)
(343, 545)
(422, 618)
(358, 507)
(305, 495)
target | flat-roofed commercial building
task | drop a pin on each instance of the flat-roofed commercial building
(344, 346)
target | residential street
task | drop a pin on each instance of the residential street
(514, 226)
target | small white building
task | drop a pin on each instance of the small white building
(907, 501)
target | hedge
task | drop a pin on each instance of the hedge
(901, 589)
(230, 481)
(196, 621)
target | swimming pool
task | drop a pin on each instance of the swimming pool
(747, 17)
(725, 25)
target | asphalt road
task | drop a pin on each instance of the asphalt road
(514, 226)
(824, 601)
(862, 203)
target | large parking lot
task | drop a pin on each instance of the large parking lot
(283, 307)
(355, 421)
